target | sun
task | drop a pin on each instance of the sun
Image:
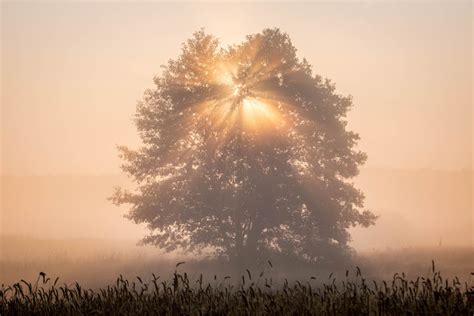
(243, 103)
(258, 114)
(236, 90)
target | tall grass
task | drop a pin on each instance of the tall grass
(250, 295)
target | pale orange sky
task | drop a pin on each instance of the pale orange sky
(72, 73)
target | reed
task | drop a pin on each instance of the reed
(179, 295)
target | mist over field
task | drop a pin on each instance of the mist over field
(77, 207)
(295, 140)
(93, 242)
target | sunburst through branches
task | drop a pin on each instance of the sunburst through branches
(245, 151)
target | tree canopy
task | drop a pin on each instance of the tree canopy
(246, 153)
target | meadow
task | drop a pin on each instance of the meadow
(182, 295)
(116, 278)
(67, 245)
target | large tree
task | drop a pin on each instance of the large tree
(245, 152)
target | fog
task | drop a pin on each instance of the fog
(66, 226)
(72, 73)
(430, 207)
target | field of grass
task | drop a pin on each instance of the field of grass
(96, 263)
(251, 295)
(88, 284)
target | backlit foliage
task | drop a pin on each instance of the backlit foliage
(245, 152)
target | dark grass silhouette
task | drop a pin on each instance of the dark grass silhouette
(249, 295)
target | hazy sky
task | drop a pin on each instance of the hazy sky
(72, 73)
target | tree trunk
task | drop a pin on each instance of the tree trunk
(253, 238)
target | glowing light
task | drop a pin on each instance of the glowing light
(225, 74)
(242, 103)
(236, 90)
(225, 77)
(258, 114)
(255, 107)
